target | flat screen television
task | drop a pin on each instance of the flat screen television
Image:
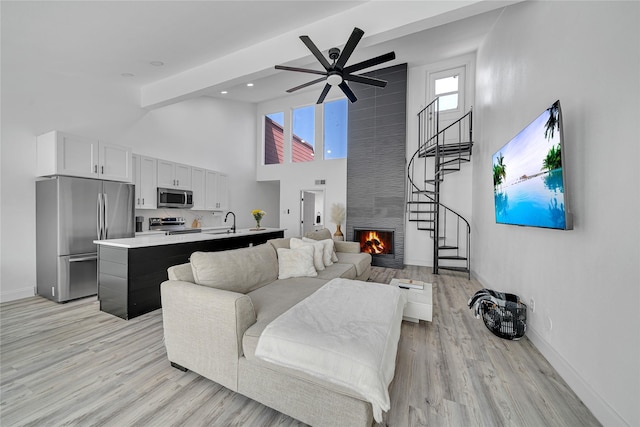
(529, 180)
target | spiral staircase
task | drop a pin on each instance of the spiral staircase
(440, 152)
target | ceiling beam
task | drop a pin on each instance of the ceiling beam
(381, 20)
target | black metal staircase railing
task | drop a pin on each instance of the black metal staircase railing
(448, 148)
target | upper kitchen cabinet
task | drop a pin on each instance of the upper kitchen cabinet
(223, 191)
(174, 175)
(216, 198)
(198, 188)
(145, 175)
(60, 153)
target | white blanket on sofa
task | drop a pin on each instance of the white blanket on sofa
(346, 333)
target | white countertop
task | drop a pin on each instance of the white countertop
(208, 233)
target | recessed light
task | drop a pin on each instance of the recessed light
(249, 84)
(157, 63)
(224, 92)
(127, 75)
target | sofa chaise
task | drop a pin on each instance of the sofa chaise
(212, 328)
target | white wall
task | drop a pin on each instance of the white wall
(212, 134)
(456, 189)
(585, 282)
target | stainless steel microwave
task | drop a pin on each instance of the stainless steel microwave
(174, 198)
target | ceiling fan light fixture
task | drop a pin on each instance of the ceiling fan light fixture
(334, 79)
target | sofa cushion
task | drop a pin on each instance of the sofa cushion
(361, 260)
(323, 234)
(318, 235)
(346, 271)
(327, 250)
(296, 262)
(318, 250)
(271, 301)
(282, 242)
(237, 270)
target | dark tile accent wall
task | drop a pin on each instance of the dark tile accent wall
(376, 171)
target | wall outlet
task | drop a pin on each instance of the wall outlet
(532, 305)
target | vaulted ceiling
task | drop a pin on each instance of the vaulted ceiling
(174, 50)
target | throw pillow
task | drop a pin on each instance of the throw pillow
(327, 250)
(318, 249)
(296, 262)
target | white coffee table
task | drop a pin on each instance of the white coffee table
(419, 301)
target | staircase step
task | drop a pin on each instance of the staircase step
(426, 229)
(453, 257)
(460, 269)
(453, 161)
(445, 247)
(432, 181)
(422, 212)
(448, 149)
(424, 192)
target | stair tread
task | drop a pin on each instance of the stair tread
(447, 247)
(452, 268)
(452, 257)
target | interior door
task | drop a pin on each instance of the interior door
(308, 211)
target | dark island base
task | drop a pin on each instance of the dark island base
(129, 279)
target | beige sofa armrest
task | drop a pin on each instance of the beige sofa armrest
(350, 247)
(203, 329)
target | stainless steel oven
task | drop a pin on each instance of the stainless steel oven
(174, 198)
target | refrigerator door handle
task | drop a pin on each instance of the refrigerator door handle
(81, 258)
(106, 218)
(99, 217)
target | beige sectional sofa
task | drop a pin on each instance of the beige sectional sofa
(213, 328)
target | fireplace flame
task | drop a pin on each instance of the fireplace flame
(372, 243)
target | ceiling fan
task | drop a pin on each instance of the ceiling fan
(336, 74)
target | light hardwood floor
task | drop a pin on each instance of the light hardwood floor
(70, 364)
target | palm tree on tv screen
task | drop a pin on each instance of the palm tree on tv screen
(499, 171)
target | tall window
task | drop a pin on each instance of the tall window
(335, 129)
(303, 135)
(274, 138)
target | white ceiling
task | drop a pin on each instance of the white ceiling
(104, 40)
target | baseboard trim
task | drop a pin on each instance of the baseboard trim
(16, 294)
(592, 400)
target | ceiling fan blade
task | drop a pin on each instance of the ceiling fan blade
(293, 89)
(365, 80)
(301, 70)
(353, 41)
(316, 52)
(370, 62)
(347, 91)
(324, 93)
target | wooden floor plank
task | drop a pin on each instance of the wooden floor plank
(70, 364)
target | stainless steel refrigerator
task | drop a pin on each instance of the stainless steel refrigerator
(70, 214)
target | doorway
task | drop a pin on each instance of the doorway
(311, 210)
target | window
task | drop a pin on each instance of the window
(274, 138)
(448, 85)
(303, 135)
(447, 89)
(301, 131)
(335, 129)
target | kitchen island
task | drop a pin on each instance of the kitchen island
(130, 270)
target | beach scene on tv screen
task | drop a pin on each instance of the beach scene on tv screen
(527, 175)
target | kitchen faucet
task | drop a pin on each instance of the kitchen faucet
(233, 229)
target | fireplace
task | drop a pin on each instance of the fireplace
(377, 242)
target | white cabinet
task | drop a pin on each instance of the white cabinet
(198, 188)
(59, 153)
(217, 198)
(174, 175)
(145, 173)
(223, 191)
